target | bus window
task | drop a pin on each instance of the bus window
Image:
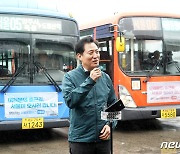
(12, 55)
(140, 62)
(105, 56)
(53, 55)
(142, 40)
(171, 43)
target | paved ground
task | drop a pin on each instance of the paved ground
(135, 137)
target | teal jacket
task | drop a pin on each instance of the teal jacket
(86, 99)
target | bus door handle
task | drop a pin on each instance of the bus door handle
(144, 92)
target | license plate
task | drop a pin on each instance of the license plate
(32, 123)
(168, 113)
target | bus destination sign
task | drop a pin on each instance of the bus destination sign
(144, 23)
(34, 24)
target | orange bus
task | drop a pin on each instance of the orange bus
(141, 53)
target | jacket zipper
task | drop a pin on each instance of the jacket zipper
(95, 103)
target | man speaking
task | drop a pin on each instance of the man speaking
(88, 91)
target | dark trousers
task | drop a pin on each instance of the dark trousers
(90, 148)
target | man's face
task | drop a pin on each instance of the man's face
(156, 55)
(90, 57)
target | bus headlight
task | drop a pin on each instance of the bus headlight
(126, 97)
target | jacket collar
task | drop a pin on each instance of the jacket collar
(81, 68)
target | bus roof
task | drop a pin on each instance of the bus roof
(115, 18)
(31, 7)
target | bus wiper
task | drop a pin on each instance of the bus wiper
(14, 77)
(175, 64)
(39, 66)
(152, 71)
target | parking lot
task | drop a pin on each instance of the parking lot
(137, 137)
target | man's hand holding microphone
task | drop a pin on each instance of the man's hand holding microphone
(95, 74)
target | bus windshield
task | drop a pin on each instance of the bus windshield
(152, 43)
(27, 40)
(54, 55)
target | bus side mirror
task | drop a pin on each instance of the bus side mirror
(120, 44)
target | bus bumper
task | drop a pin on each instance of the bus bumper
(146, 112)
(48, 123)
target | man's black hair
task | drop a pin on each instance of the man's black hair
(79, 48)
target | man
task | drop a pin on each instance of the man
(155, 57)
(87, 91)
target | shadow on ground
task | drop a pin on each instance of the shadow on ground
(139, 125)
(26, 136)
